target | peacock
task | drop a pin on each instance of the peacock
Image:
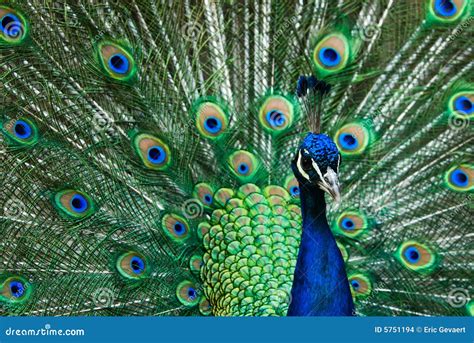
(236, 158)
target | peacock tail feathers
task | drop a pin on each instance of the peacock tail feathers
(146, 148)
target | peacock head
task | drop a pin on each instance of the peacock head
(317, 163)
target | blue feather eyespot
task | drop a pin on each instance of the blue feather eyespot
(351, 224)
(416, 256)
(243, 168)
(244, 165)
(78, 203)
(137, 265)
(204, 192)
(332, 54)
(13, 26)
(116, 61)
(295, 191)
(21, 131)
(153, 152)
(446, 11)
(188, 294)
(276, 118)
(347, 224)
(277, 113)
(211, 118)
(445, 8)
(361, 285)
(412, 254)
(156, 154)
(329, 57)
(460, 104)
(119, 63)
(352, 139)
(132, 265)
(176, 227)
(460, 178)
(74, 204)
(212, 124)
(464, 105)
(14, 289)
(292, 186)
(348, 141)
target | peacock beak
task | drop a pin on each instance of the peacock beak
(335, 192)
(331, 185)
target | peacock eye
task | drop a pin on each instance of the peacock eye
(307, 163)
(132, 265)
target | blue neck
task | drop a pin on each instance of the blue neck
(320, 286)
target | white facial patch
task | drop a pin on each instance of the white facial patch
(300, 168)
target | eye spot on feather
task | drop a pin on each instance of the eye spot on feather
(204, 192)
(464, 105)
(416, 256)
(361, 285)
(460, 178)
(329, 57)
(243, 164)
(156, 154)
(243, 168)
(412, 254)
(461, 105)
(175, 227)
(132, 265)
(347, 224)
(78, 203)
(351, 224)
(277, 113)
(153, 152)
(74, 204)
(211, 119)
(137, 265)
(21, 131)
(119, 63)
(446, 11)
(14, 289)
(331, 54)
(292, 186)
(445, 8)
(116, 61)
(352, 139)
(187, 293)
(13, 26)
